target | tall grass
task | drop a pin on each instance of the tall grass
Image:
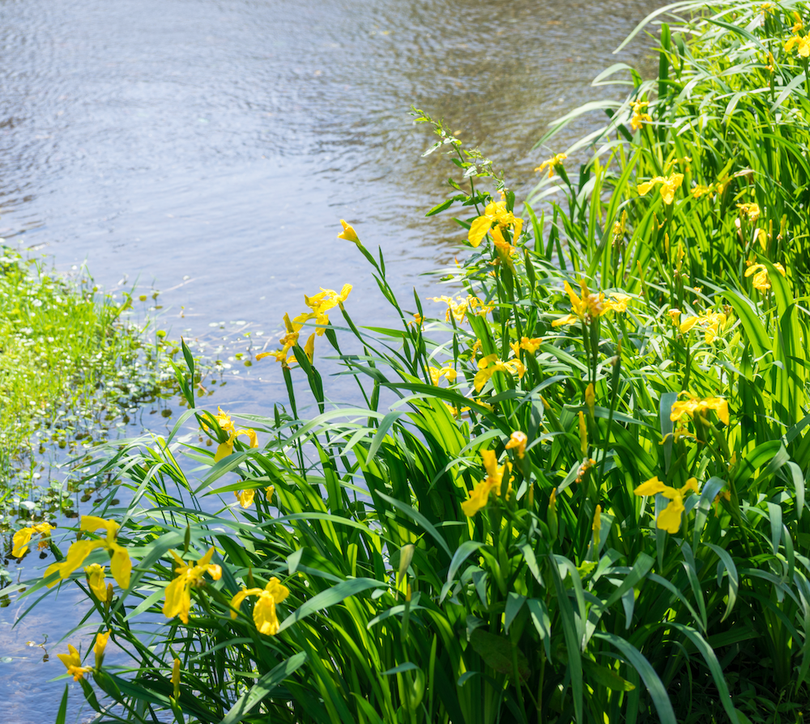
(574, 492)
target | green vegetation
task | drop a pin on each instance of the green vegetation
(70, 370)
(576, 492)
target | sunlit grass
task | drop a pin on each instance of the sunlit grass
(575, 489)
(71, 368)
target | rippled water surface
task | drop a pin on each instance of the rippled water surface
(210, 148)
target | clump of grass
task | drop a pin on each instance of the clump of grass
(576, 489)
(71, 368)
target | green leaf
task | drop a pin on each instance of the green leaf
(636, 659)
(498, 652)
(463, 552)
(382, 430)
(61, 715)
(714, 666)
(798, 485)
(571, 642)
(263, 688)
(514, 602)
(755, 459)
(407, 666)
(755, 332)
(419, 518)
(727, 565)
(330, 597)
(668, 399)
(444, 205)
(606, 677)
(542, 622)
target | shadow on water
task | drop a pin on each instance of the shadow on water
(212, 146)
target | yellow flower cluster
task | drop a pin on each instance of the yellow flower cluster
(319, 304)
(639, 116)
(669, 185)
(762, 282)
(495, 214)
(802, 42)
(551, 164)
(693, 405)
(226, 424)
(517, 442)
(479, 496)
(711, 322)
(73, 660)
(436, 374)
(120, 563)
(264, 610)
(489, 365)
(669, 519)
(589, 305)
(460, 307)
(245, 497)
(178, 592)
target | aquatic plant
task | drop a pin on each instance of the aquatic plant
(575, 491)
(72, 365)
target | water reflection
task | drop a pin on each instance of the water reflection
(212, 146)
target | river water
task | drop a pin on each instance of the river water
(209, 148)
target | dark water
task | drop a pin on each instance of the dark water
(210, 148)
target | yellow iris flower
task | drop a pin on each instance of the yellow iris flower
(751, 211)
(668, 519)
(590, 305)
(700, 190)
(226, 448)
(176, 679)
(476, 306)
(95, 579)
(803, 43)
(437, 373)
(224, 420)
(490, 364)
(552, 164)
(694, 405)
(669, 185)
(531, 345)
(639, 117)
(495, 214)
(348, 233)
(245, 497)
(120, 563)
(99, 646)
(456, 307)
(264, 610)
(479, 496)
(712, 322)
(73, 663)
(590, 397)
(178, 593)
(320, 304)
(762, 281)
(23, 536)
(517, 441)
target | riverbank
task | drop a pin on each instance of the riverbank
(575, 492)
